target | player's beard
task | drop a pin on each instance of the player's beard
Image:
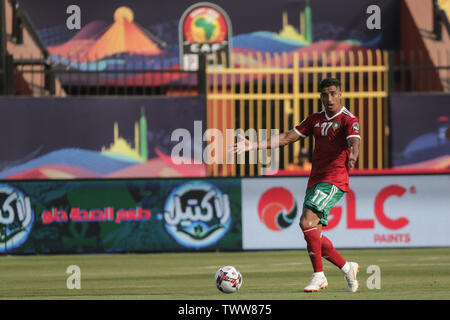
(333, 108)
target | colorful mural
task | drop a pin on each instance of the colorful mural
(144, 34)
(420, 131)
(96, 138)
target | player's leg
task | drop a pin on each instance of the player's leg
(309, 223)
(319, 199)
(316, 206)
(311, 227)
(349, 269)
(331, 195)
(330, 253)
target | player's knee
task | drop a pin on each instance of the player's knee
(301, 224)
(305, 223)
(308, 219)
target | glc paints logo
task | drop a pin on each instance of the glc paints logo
(277, 208)
(16, 218)
(380, 215)
(204, 28)
(197, 214)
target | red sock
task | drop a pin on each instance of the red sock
(330, 253)
(313, 246)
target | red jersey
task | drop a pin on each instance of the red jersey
(330, 155)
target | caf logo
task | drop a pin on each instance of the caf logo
(197, 214)
(204, 29)
(277, 208)
(16, 218)
(205, 23)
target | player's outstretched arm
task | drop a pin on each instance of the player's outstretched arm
(353, 146)
(278, 140)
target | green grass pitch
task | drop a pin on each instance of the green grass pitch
(275, 275)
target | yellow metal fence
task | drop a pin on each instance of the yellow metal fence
(279, 91)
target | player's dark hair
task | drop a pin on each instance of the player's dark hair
(328, 82)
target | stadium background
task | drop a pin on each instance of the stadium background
(88, 118)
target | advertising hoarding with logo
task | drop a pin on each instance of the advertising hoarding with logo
(379, 211)
(120, 216)
(264, 204)
(79, 216)
(16, 217)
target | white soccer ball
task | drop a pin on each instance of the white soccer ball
(228, 279)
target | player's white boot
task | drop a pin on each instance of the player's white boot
(318, 281)
(350, 276)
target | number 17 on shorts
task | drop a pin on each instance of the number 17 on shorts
(320, 198)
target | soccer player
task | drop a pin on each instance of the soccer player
(337, 138)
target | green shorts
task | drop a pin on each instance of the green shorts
(320, 198)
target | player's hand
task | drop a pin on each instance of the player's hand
(242, 145)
